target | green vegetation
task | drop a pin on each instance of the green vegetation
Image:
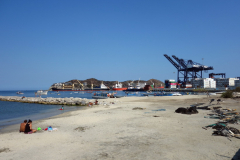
(227, 94)
(237, 89)
(199, 90)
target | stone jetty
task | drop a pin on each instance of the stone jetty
(49, 100)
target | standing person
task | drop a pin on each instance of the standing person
(208, 94)
(23, 126)
(62, 107)
(28, 128)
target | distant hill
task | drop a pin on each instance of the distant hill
(110, 84)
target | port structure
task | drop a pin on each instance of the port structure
(211, 75)
(187, 69)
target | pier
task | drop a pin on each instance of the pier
(49, 100)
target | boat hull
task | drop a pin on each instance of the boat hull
(41, 92)
(119, 89)
(134, 90)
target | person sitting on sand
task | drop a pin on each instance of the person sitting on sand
(22, 126)
(28, 128)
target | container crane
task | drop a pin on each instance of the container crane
(82, 88)
(217, 74)
(188, 68)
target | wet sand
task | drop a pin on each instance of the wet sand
(116, 131)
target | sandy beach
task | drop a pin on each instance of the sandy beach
(113, 130)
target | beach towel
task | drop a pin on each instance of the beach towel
(28, 132)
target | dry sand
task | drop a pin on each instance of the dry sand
(116, 131)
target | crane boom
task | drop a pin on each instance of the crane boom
(80, 84)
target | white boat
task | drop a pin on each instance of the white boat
(118, 87)
(130, 85)
(19, 92)
(41, 92)
(176, 94)
(138, 85)
(99, 88)
(102, 86)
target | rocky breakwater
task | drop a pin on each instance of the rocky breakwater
(49, 100)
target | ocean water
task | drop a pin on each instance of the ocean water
(16, 112)
(54, 94)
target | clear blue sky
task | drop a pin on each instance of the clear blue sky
(47, 41)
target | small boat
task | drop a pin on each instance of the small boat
(176, 94)
(41, 92)
(19, 92)
(132, 87)
(100, 96)
(118, 87)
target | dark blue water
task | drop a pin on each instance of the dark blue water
(61, 94)
(16, 112)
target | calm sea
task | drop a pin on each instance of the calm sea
(16, 112)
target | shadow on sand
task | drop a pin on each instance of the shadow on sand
(237, 155)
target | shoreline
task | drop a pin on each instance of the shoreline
(35, 117)
(117, 131)
(12, 127)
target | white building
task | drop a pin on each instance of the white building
(225, 82)
(203, 83)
